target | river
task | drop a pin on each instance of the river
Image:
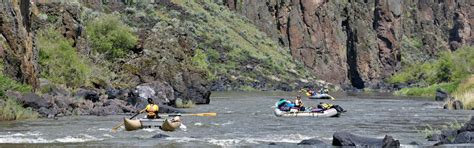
(245, 119)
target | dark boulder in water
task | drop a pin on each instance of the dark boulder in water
(441, 95)
(348, 139)
(464, 137)
(312, 141)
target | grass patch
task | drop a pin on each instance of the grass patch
(10, 109)
(465, 92)
(180, 103)
(429, 91)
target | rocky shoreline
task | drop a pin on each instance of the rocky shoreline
(58, 101)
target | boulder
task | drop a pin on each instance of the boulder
(120, 104)
(441, 95)
(389, 142)
(34, 101)
(88, 95)
(464, 137)
(145, 91)
(312, 141)
(348, 139)
(160, 91)
(48, 112)
(434, 137)
(457, 105)
(468, 126)
(121, 94)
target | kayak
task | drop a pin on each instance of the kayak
(320, 96)
(163, 124)
(327, 113)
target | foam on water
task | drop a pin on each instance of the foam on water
(292, 138)
(23, 140)
(78, 138)
(150, 129)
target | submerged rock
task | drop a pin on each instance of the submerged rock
(160, 136)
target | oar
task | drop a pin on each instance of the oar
(195, 114)
(118, 126)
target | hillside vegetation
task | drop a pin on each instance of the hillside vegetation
(452, 72)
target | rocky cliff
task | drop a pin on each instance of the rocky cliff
(360, 43)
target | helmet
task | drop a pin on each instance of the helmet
(150, 101)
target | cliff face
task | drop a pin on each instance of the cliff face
(360, 43)
(21, 56)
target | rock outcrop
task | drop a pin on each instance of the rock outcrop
(364, 42)
(21, 57)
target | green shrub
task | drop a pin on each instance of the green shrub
(10, 84)
(429, 131)
(109, 35)
(59, 60)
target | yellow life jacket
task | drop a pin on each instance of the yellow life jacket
(151, 109)
(326, 105)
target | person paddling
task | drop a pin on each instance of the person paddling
(151, 109)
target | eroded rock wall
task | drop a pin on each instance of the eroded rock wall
(359, 43)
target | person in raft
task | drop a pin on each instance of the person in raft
(151, 109)
(299, 103)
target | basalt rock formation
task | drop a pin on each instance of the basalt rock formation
(360, 43)
(21, 56)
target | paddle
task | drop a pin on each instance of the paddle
(118, 126)
(195, 114)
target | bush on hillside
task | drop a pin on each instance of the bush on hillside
(109, 35)
(59, 60)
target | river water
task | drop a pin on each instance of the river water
(245, 119)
